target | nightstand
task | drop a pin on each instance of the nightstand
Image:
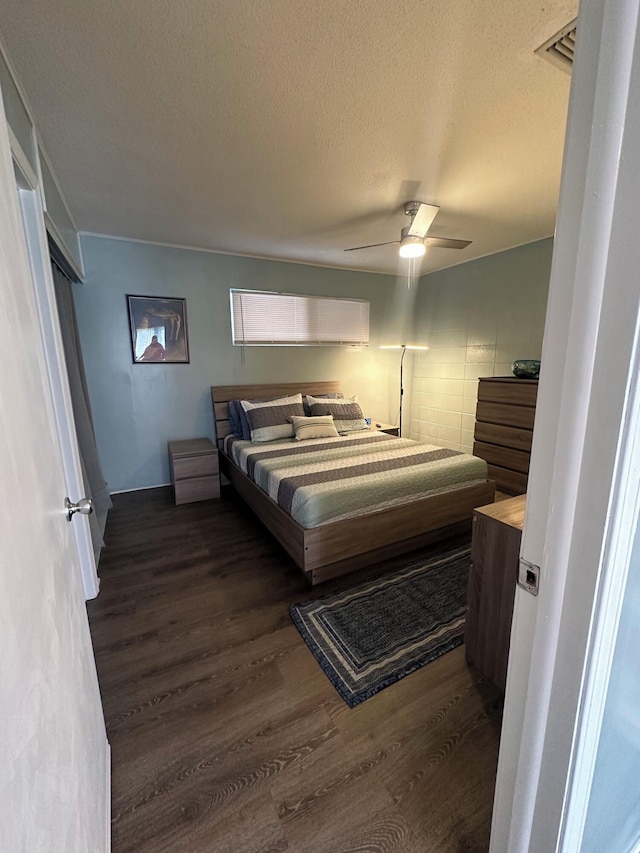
(194, 470)
(495, 554)
(390, 429)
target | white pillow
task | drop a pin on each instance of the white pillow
(319, 427)
(325, 399)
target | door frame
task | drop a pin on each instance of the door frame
(585, 461)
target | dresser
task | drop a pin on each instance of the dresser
(505, 414)
(495, 552)
(194, 470)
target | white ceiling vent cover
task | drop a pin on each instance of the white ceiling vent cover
(560, 48)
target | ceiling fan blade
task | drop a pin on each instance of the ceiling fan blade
(421, 222)
(446, 243)
(371, 246)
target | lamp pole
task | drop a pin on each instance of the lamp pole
(404, 349)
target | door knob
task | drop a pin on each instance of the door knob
(84, 507)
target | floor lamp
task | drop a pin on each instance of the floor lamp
(404, 348)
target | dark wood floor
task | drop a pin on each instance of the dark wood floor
(225, 734)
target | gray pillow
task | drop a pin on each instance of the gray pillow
(307, 404)
(272, 419)
(238, 420)
(347, 414)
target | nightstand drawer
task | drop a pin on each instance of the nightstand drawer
(197, 489)
(195, 466)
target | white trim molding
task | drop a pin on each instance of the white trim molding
(107, 825)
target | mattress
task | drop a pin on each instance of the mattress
(323, 480)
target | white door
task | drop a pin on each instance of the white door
(583, 501)
(43, 287)
(53, 748)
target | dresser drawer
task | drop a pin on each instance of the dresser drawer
(522, 393)
(507, 481)
(501, 413)
(505, 457)
(518, 439)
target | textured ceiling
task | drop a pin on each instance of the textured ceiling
(294, 129)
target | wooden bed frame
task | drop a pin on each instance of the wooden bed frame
(339, 547)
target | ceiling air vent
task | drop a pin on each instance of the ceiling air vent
(560, 48)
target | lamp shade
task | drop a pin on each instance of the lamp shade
(412, 247)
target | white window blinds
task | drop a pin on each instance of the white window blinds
(260, 318)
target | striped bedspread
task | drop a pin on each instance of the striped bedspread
(323, 480)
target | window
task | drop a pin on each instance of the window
(144, 338)
(262, 318)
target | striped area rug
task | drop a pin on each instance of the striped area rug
(372, 635)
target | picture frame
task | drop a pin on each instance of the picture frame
(158, 328)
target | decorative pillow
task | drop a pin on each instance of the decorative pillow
(307, 405)
(318, 427)
(271, 420)
(234, 420)
(238, 420)
(347, 414)
(309, 400)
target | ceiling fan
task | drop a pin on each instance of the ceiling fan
(413, 238)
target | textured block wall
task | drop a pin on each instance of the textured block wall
(476, 319)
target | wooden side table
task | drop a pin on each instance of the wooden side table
(495, 553)
(390, 429)
(194, 470)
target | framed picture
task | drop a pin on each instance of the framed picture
(158, 330)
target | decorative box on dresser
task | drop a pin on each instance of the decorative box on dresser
(505, 414)
(495, 553)
(194, 470)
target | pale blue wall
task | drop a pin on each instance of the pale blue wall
(137, 408)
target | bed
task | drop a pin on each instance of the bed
(334, 535)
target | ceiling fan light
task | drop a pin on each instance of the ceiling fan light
(412, 247)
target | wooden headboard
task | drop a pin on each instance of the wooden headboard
(221, 394)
